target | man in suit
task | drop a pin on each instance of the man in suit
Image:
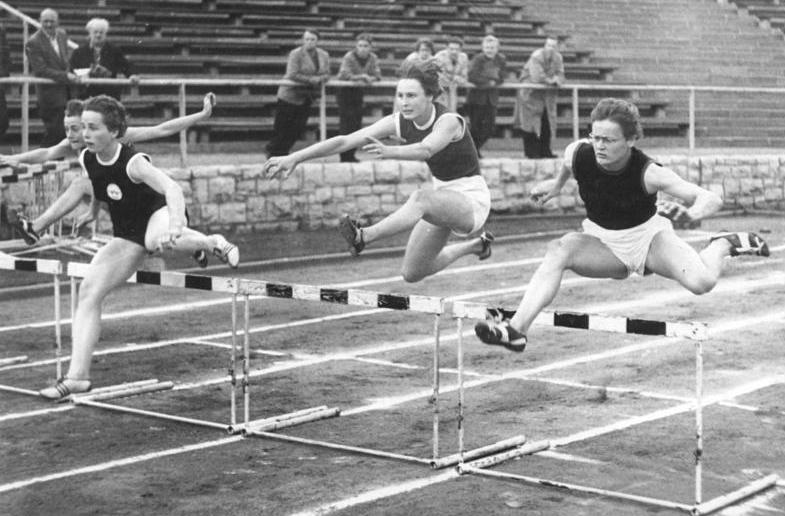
(103, 59)
(47, 51)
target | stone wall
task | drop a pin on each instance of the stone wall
(316, 194)
(239, 198)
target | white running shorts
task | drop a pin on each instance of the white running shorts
(476, 191)
(631, 246)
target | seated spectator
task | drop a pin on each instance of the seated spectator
(535, 109)
(309, 66)
(362, 67)
(102, 59)
(455, 68)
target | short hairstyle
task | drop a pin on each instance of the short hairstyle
(364, 36)
(74, 107)
(49, 10)
(424, 41)
(97, 24)
(113, 112)
(312, 31)
(455, 39)
(622, 112)
(490, 37)
(426, 73)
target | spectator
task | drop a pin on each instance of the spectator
(535, 109)
(455, 68)
(362, 67)
(47, 51)
(5, 68)
(309, 66)
(423, 51)
(487, 71)
(102, 59)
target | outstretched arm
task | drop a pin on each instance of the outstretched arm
(701, 202)
(445, 130)
(547, 190)
(61, 150)
(284, 165)
(140, 134)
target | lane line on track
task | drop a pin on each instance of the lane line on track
(390, 402)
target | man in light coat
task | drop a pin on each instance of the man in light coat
(535, 109)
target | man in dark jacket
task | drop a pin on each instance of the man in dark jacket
(47, 51)
(100, 60)
(487, 71)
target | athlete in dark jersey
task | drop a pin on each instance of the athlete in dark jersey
(623, 233)
(459, 200)
(147, 209)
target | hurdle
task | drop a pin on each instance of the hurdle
(55, 269)
(695, 331)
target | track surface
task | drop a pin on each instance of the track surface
(603, 397)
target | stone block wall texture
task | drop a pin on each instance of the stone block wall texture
(240, 199)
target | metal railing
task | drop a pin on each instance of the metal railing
(181, 85)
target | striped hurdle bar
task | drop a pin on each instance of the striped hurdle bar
(21, 172)
(54, 268)
(695, 331)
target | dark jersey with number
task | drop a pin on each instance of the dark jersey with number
(130, 204)
(614, 200)
(458, 159)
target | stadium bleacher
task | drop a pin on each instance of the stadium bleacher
(251, 39)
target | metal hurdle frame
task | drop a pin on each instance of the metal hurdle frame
(695, 331)
(55, 268)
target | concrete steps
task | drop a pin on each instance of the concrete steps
(697, 42)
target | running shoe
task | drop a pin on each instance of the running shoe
(501, 334)
(744, 243)
(64, 387)
(25, 227)
(486, 238)
(200, 256)
(352, 233)
(227, 252)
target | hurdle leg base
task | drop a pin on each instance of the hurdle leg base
(455, 458)
(735, 496)
(291, 419)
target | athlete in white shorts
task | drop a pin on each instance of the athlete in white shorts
(623, 232)
(459, 201)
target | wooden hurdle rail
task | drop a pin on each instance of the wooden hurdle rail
(695, 331)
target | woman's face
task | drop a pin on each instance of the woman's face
(424, 52)
(413, 102)
(309, 40)
(97, 137)
(611, 148)
(73, 131)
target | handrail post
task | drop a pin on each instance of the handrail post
(452, 101)
(575, 115)
(184, 132)
(323, 113)
(25, 90)
(691, 130)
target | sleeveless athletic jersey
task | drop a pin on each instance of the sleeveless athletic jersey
(458, 159)
(615, 200)
(130, 204)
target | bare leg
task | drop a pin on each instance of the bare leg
(426, 254)
(190, 241)
(76, 192)
(111, 266)
(673, 258)
(583, 254)
(443, 208)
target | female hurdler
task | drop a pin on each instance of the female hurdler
(623, 232)
(458, 202)
(147, 209)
